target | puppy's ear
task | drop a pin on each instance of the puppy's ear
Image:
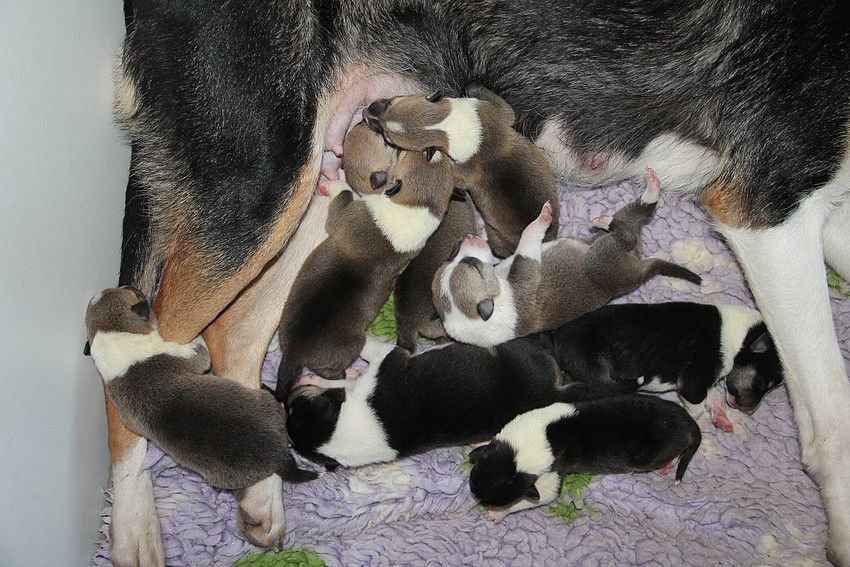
(378, 179)
(142, 309)
(479, 453)
(458, 194)
(760, 345)
(393, 189)
(532, 493)
(87, 349)
(485, 308)
(434, 315)
(435, 96)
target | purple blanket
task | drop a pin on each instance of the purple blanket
(744, 501)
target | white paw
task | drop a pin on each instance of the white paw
(495, 515)
(653, 188)
(260, 516)
(336, 187)
(134, 529)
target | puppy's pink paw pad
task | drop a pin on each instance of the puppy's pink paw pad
(720, 421)
(546, 213)
(495, 516)
(665, 469)
(602, 221)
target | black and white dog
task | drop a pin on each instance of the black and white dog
(234, 109)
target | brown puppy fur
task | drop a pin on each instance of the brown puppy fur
(233, 436)
(346, 279)
(366, 159)
(508, 177)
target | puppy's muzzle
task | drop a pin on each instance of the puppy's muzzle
(373, 114)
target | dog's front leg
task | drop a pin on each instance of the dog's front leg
(785, 270)
(836, 240)
(238, 340)
(134, 530)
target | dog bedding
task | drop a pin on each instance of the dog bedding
(744, 500)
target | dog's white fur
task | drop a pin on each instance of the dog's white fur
(114, 352)
(406, 228)
(526, 433)
(462, 127)
(134, 529)
(735, 322)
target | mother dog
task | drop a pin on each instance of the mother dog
(236, 109)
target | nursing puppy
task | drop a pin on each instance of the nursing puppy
(543, 286)
(366, 160)
(414, 308)
(525, 464)
(679, 346)
(508, 177)
(163, 390)
(405, 404)
(347, 278)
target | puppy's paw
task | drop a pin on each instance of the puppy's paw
(665, 469)
(653, 188)
(260, 516)
(134, 530)
(602, 221)
(495, 515)
(546, 214)
(336, 187)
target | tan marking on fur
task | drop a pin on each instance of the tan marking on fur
(725, 205)
(120, 438)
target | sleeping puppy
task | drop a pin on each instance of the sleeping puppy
(229, 434)
(525, 464)
(406, 404)
(679, 346)
(414, 307)
(507, 176)
(543, 286)
(347, 278)
(366, 160)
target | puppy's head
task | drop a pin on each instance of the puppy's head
(420, 179)
(419, 122)
(755, 372)
(313, 413)
(467, 281)
(494, 479)
(366, 159)
(121, 309)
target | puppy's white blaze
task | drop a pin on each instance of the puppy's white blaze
(394, 126)
(359, 437)
(406, 228)
(526, 433)
(499, 328)
(735, 322)
(462, 127)
(114, 352)
(135, 526)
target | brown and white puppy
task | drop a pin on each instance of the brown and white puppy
(163, 391)
(508, 177)
(366, 159)
(347, 278)
(543, 286)
(414, 308)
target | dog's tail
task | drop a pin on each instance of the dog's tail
(290, 471)
(287, 372)
(664, 268)
(687, 454)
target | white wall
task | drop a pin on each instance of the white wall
(63, 169)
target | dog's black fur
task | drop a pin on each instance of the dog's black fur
(448, 396)
(620, 435)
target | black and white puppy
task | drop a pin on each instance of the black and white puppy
(525, 464)
(679, 346)
(405, 404)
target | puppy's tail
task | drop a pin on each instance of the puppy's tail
(687, 455)
(671, 270)
(290, 472)
(287, 372)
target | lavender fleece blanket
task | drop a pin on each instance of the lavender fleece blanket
(744, 501)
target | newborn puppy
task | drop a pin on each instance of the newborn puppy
(231, 435)
(543, 286)
(414, 308)
(507, 176)
(345, 280)
(366, 160)
(525, 464)
(405, 404)
(679, 346)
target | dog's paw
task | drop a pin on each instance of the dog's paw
(134, 529)
(260, 516)
(602, 221)
(665, 469)
(495, 515)
(546, 214)
(653, 188)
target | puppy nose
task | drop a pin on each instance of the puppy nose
(372, 114)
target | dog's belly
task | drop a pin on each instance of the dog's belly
(681, 165)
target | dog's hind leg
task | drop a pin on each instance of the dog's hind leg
(238, 340)
(836, 240)
(784, 267)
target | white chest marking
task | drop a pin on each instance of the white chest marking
(406, 228)
(462, 127)
(115, 352)
(526, 433)
(735, 322)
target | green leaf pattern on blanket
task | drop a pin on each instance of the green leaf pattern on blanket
(837, 285)
(302, 557)
(383, 325)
